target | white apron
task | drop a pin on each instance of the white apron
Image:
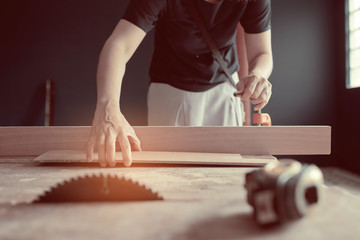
(170, 106)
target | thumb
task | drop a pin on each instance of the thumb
(240, 86)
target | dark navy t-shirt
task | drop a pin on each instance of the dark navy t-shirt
(181, 56)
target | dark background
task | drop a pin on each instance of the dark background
(61, 40)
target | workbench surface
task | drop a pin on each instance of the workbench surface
(200, 203)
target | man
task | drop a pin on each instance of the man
(188, 87)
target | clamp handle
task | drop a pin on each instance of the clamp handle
(261, 119)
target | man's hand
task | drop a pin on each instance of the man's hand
(108, 126)
(255, 88)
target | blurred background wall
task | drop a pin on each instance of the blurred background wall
(61, 41)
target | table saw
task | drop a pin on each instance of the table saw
(200, 200)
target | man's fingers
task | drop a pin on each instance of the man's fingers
(136, 144)
(261, 101)
(110, 149)
(259, 89)
(101, 150)
(259, 106)
(90, 148)
(250, 86)
(241, 86)
(126, 150)
(109, 125)
(262, 98)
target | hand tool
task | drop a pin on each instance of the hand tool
(261, 119)
(283, 191)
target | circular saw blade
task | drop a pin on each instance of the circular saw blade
(98, 188)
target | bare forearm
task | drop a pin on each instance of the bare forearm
(109, 124)
(256, 86)
(111, 69)
(261, 65)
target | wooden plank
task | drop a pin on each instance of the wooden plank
(275, 140)
(79, 156)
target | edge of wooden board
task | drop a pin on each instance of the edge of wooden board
(274, 140)
(158, 157)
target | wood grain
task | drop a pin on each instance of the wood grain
(200, 203)
(275, 140)
(79, 156)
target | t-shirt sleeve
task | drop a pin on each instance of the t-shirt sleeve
(257, 16)
(144, 13)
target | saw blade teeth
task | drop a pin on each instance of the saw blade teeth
(75, 188)
(91, 175)
(105, 176)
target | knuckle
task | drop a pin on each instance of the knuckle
(253, 81)
(249, 91)
(122, 132)
(123, 137)
(252, 77)
(108, 128)
(257, 91)
(132, 132)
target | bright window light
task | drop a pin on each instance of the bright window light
(353, 43)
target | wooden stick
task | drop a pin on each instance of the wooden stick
(275, 140)
(79, 156)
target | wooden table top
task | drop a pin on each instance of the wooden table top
(200, 203)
